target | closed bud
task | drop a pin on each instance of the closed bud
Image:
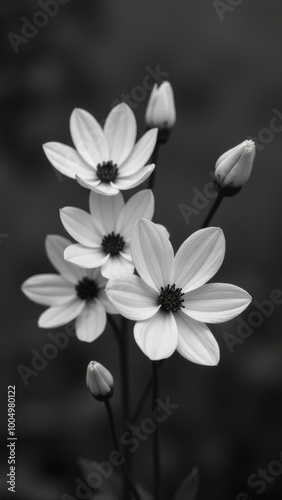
(160, 111)
(234, 167)
(99, 381)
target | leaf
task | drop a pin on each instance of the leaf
(188, 489)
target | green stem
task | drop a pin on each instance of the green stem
(116, 444)
(156, 437)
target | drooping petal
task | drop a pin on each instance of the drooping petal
(48, 289)
(88, 137)
(105, 211)
(131, 181)
(84, 256)
(67, 161)
(98, 186)
(198, 258)
(157, 337)
(54, 316)
(152, 254)
(141, 204)
(132, 297)
(55, 246)
(116, 265)
(216, 302)
(79, 224)
(141, 153)
(120, 131)
(196, 342)
(91, 322)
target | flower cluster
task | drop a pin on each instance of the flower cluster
(169, 299)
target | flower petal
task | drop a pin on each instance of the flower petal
(141, 204)
(103, 298)
(157, 337)
(67, 161)
(131, 181)
(216, 302)
(117, 265)
(196, 342)
(91, 322)
(152, 254)
(79, 224)
(55, 247)
(132, 297)
(105, 210)
(48, 289)
(88, 137)
(198, 258)
(54, 316)
(98, 186)
(141, 153)
(84, 256)
(120, 131)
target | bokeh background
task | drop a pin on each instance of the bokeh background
(227, 79)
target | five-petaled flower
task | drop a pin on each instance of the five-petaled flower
(105, 160)
(171, 301)
(74, 294)
(104, 235)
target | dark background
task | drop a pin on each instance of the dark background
(227, 78)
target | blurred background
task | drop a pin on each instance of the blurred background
(224, 63)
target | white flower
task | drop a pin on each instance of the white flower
(170, 300)
(160, 111)
(74, 293)
(104, 235)
(99, 381)
(105, 160)
(234, 167)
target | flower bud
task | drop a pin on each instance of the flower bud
(160, 110)
(234, 167)
(99, 381)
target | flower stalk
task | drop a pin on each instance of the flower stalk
(116, 444)
(156, 436)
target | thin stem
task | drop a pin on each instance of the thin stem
(121, 336)
(144, 397)
(122, 341)
(154, 160)
(213, 209)
(156, 437)
(116, 444)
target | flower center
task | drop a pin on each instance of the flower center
(170, 298)
(107, 171)
(113, 243)
(86, 289)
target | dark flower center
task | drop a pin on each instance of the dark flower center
(113, 243)
(107, 171)
(170, 298)
(86, 289)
